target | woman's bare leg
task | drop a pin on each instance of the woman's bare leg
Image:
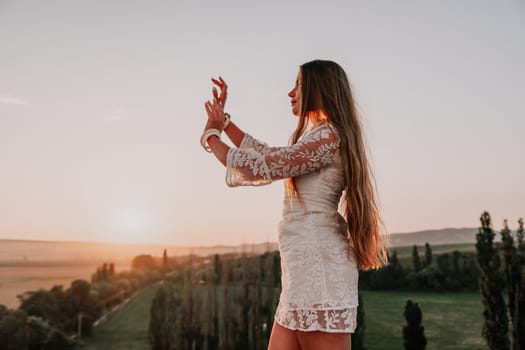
(283, 339)
(324, 341)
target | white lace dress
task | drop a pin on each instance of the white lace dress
(319, 277)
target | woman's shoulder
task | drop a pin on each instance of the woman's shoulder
(325, 129)
(322, 130)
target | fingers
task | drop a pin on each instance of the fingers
(209, 108)
(220, 83)
(214, 110)
(218, 109)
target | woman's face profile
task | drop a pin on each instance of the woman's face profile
(296, 96)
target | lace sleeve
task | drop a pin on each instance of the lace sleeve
(250, 142)
(318, 148)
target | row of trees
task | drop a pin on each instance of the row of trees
(54, 318)
(226, 302)
(447, 272)
(497, 279)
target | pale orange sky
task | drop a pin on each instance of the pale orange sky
(101, 110)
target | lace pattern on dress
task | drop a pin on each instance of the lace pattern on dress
(328, 320)
(250, 142)
(257, 164)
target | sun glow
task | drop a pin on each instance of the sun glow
(129, 225)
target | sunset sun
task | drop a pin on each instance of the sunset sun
(129, 225)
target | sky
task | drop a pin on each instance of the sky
(102, 108)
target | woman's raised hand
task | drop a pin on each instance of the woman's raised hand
(224, 90)
(216, 117)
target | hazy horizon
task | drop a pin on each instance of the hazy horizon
(101, 111)
(204, 244)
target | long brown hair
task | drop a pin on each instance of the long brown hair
(325, 87)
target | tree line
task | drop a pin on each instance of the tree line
(502, 284)
(55, 318)
(445, 272)
(228, 302)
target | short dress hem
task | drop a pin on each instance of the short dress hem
(340, 331)
(308, 320)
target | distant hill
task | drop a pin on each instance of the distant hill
(21, 252)
(435, 237)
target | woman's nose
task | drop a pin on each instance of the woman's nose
(292, 93)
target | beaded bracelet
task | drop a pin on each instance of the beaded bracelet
(204, 138)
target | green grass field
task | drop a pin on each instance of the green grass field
(127, 329)
(451, 320)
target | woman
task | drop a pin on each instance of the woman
(321, 250)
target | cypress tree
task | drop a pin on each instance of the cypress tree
(105, 271)
(164, 326)
(415, 259)
(413, 332)
(246, 305)
(428, 254)
(519, 275)
(491, 284)
(521, 242)
(396, 270)
(358, 337)
(456, 268)
(217, 269)
(212, 332)
(276, 269)
(520, 312)
(512, 275)
(165, 261)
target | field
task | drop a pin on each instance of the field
(451, 320)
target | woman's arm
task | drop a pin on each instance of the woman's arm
(317, 149)
(235, 134)
(244, 140)
(219, 149)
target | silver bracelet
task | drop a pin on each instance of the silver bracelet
(204, 138)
